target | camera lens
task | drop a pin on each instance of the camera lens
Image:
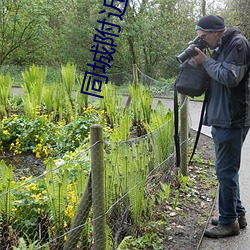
(187, 53)
(190, 50)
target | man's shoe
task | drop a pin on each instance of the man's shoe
(221, 231)
(241, 219)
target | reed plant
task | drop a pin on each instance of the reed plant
(6, 184)
(126, 172)
(5, 90)
(34, 80)
(68, 74)
(48, 98)
(56, 184)
(81, 100)
(111, 104)
(161, 130)
(141, 105)
(58, 103)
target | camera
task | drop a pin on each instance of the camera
(190, 51)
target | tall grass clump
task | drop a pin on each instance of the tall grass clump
(111, 104)
(33, 85)
(5, 90)
(141, 106)
(81, 100)
(68, 74)
(161, 130)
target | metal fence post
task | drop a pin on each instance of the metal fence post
(98, 195)
(184, 135)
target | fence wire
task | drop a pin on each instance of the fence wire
(43, 210)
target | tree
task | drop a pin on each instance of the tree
(21, 21)
(237, 12)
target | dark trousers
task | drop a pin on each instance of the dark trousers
(228, 145)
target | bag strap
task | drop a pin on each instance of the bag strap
(199, 127)
(176, 126)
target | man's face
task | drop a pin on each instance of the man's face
(211, 38)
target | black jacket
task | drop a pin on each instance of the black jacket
(229, 90)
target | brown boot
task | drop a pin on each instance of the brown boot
(221, 231)
(241, 219)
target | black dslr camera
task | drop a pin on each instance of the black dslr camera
(190, 51)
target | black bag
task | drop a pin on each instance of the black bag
(192, 80)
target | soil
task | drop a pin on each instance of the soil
(187, 222)
(25, 164)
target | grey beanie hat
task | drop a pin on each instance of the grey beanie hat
(210, 23)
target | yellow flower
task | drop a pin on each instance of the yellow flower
(37, 196)
(73, 199)
(38, 155)
(14, 209)
(12, 145)
(31, 187)
(69, 211)
(6, 132)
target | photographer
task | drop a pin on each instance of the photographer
(228, 112)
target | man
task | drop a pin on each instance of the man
(228, 112)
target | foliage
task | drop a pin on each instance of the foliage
(141, 99)
(147, 241)
(22, 22)
(161, 126)
(43, 137)
(6, 184)
(43, 206)
(34, 81)
(151, 34)
(51, 200)
(5, 89)
(111, 104)
(68, 73)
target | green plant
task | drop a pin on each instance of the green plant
(184, 181)
(141, 104)
(23, 246)
(5, 89)
(6, 196)
(81, 100)
(161, 128)
(164, 191)
(126, 172)
(30, 208)
(111, 104)
(147, 241)
(176, 199)
(48, 98)
(33, 86)
(68, 74)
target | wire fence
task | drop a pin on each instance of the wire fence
(42, 209)
(55, 210)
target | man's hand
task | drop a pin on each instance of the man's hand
(200, 58)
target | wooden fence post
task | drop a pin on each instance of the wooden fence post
(135, 81)
(98, 194)
(135, 74)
